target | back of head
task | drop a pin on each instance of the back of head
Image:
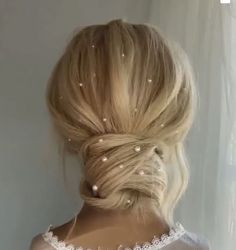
(122, 99)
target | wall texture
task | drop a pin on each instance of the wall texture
(32, 34)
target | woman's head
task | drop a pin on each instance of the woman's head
(122, 98)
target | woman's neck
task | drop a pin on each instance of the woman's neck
(91, 217)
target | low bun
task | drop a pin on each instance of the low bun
(141, 175)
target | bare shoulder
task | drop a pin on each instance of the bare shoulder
(38, 243)
(192, 241)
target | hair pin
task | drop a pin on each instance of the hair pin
(141, 172)
(95, 189)
(104, 158)
(162, 125)
(80, 84)
(149, 80)
(100, 140)
(121, 166)
(104, 119)
(137, 148)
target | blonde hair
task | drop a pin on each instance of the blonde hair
(127, 85)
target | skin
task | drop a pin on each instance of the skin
(96, 228)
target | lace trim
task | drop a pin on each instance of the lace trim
(156, 243)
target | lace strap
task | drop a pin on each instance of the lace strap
(156, 243)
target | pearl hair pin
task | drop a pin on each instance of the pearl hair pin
(162, 125)
(104, 158)
(100, 140)
(128, 201)
(137, 148)
(69, 139)
(95, 189)
(123, 55)
(93, 46)
(141, 172)
(80, 84)
(104, 119)
(150, 80)
(121, 166)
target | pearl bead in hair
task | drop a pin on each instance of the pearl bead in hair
(93, 46)
(137, 148)
(104, 119)
(162, 125)
(95, 189)
(80, 84)
(128, 201)
(69, 139)
(149, 80)
(141, 172)
(123, 55)
(121, 166)
(100, 140)
(104, 158)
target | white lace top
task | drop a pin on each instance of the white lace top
(177, 239)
